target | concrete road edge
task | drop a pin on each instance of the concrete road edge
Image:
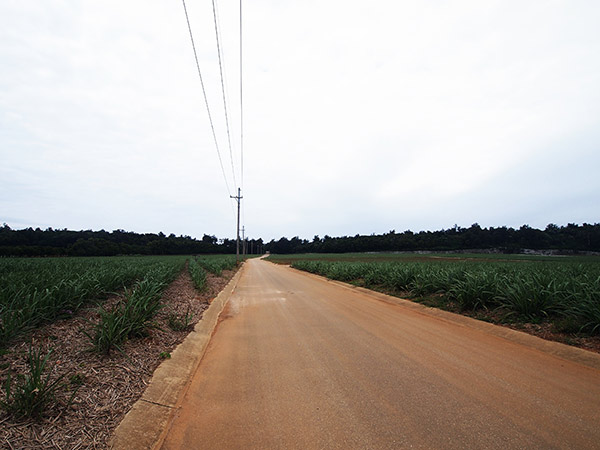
(145, 423)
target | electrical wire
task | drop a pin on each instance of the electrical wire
(212, 127)
(242, 116)
(223, 89)
(241, 102)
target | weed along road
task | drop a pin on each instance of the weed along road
(299, 362)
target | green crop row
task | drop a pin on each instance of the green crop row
(216, 264)
(198, 274)
(37, 291)
(133, 316)
(530, 290)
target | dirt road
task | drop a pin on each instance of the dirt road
(301, 363)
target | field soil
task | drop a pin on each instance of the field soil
(105, 386)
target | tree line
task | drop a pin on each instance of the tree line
(50, 242)
(569, 238)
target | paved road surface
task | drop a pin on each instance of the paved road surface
(302, 363)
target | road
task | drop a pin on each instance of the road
(298, 362)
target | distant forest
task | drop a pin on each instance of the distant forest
(49, 242)
(570, 238)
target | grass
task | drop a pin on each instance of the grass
(217, 263)
(180, 322)
(35, 291)
(39, 389)
(197, 273)
(30, 395)
(133, 316)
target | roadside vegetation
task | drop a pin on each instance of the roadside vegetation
(198, 274)
(133, 315)
(80, 337)
(38, 291)
(29, 394)
(216, 264)
(561, 291)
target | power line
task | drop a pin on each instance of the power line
(242, 115)
(223, 89)
(241, 102)
(224, 59)
(212, 127)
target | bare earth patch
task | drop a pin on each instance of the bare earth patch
(546, 331)
(108, 386)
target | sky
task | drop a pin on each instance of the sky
(359, 117)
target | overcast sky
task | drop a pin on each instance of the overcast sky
(359, 117)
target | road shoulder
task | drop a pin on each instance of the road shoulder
(148, 419)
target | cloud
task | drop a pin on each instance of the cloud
(359, 117)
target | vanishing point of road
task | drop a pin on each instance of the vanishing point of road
(299, 362)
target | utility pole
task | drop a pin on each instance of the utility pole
(237, 243)
(243, 241)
